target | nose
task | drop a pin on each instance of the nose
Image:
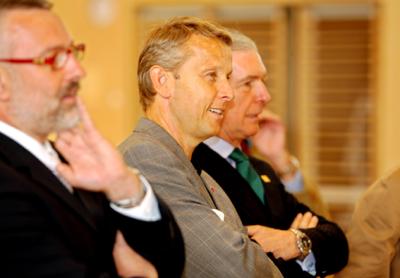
(226, 91)
(263, 93)
(74, 69)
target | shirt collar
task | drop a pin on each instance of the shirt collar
(44, 152)
(220, 146)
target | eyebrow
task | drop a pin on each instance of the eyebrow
(55, 48)
(248, 78)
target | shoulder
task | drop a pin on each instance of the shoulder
(12, 180)
(391, 181)
(261, 165)
(382, 198)
(203, 157)
(139, 146)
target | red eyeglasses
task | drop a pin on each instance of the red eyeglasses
(56, 59)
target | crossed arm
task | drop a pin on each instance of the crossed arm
(282, 243)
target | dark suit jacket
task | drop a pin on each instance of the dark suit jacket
(45, 231)
(329, 244)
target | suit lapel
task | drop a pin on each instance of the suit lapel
(161, 136)
(29, 166)
(209, 189)
(222, 201)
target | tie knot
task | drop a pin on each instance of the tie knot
(238, 156)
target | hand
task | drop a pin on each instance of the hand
(281, 243)
(270, 139)
(129, 263)
(270, 142)
(93, 163)
(306, 221)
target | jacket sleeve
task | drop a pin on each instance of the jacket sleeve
(160, 242)
(329, 243)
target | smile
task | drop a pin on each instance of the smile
(216, 111)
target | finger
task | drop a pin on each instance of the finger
(269, 127)
(70, 147)
(129, 263)
(305, 220)
(62, 145)
(252, 229)
(86, 121)
(119, 239)
(269, 115)
(66, 173)
(313, 223)
(89, 131)
(65, 136)
(297, 220)
(72, 139)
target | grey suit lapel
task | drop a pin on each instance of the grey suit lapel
(212, 193)
(222, 201)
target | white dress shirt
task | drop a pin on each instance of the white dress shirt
(224, 149)
(147, 210)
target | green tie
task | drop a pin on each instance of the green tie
(248, 173)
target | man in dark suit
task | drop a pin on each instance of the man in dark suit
(78, 211)
(301, 243)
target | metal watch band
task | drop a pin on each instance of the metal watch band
(133, 201)
(303, 242)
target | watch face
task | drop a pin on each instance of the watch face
(305, 243)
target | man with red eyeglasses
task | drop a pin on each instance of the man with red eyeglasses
(72, 209)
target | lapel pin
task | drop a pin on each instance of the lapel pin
(265, 178)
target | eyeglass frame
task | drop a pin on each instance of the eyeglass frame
(77, 50)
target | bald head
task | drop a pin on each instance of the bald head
(9, 6)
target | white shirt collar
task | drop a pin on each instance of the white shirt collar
(220, 146)
(44, 152)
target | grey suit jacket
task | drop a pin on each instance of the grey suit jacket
(214, 248)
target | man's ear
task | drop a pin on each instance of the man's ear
(162, 81)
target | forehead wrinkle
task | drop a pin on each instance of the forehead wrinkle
(36, 31)
(209, 54)
(7, 41)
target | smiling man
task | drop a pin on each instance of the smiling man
(184, 89)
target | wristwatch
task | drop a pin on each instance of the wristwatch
(303, 242)
(135, 200)
(129, 202)
(291, 167)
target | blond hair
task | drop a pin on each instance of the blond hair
(166, 47)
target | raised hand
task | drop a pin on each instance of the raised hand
(93, 163)
(270, 140)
